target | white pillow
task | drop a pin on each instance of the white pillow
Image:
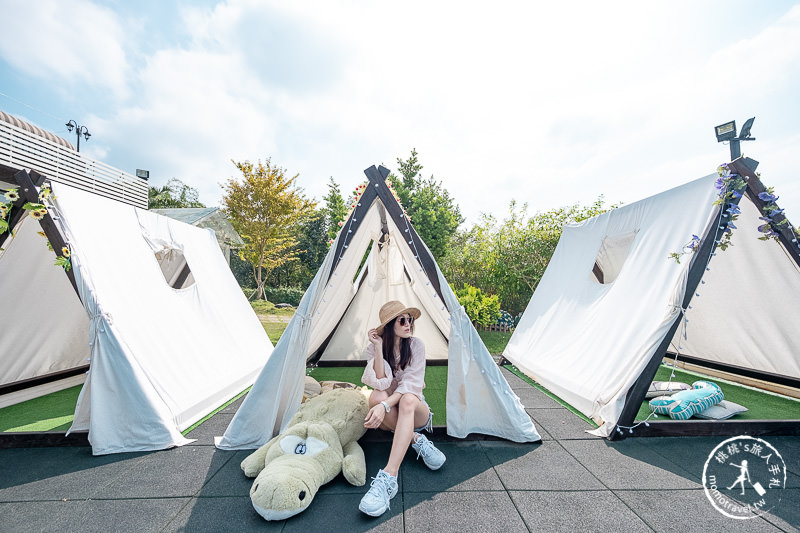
(665, 388)
(721, 411)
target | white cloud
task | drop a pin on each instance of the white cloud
(543, 103)
(68, 44)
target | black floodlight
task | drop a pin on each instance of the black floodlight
(144, 174)
(726, 132)
(744, 135)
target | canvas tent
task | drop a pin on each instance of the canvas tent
(342, 303)
(161, 325)
(612, 303)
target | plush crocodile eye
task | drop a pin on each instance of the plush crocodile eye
(255, 489)
(297, 445)
(302, 495)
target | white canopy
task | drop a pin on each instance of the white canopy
(588, 341)
(342, 303)
(162, 357)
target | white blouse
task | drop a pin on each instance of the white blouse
(411, 380)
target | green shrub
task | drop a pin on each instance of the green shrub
(482, 309)
(284, 295)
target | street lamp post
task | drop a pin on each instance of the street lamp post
(79, 130)
(727, 132)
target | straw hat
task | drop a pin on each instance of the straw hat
(392, 310)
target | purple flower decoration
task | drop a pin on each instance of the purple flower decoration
(767, 197)
(731, 225)
(720, 183)
(763, 228)
(736, 194)
(733, 209)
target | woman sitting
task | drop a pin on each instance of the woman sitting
(396, 371)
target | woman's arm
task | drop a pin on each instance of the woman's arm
(371, 377)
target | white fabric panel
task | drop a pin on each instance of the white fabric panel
(588, 342)
(478, 397)
(278, 390)
(337, 293)
(431, 303)
(387, 280)
(44, 326)
(747, 313)
(161, 358)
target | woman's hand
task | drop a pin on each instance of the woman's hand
(375, 339)
(375, 416)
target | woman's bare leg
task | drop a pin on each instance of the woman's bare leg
(411, 413)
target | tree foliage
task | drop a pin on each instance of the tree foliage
(175, 194)
(334, 210)
(433, 212)
(509, 258)
(312, 245)
(265, 207)
(482, 309)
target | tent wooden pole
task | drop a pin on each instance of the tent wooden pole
(28, 190)
(351, 225)
(697, 268)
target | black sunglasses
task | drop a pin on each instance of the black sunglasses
(403, 320)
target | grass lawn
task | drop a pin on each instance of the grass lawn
(495, 341)
(53, 412)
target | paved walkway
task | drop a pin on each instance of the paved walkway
(570, 481)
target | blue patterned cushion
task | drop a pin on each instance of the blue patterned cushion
(682, 405)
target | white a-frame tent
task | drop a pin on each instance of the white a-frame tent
(612, 303)
(149, 308)
(342, 303)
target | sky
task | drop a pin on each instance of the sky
(544, 103)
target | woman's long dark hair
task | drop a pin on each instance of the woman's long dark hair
(388, 347)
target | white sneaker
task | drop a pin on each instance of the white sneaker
(431, 455)
(382, 489)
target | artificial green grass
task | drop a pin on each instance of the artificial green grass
(495, 341)
(760, 405)
(525, 378)
(435, 385)
(52, 412)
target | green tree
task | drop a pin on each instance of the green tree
(265, 207)
(432, 210)
(481, 308)
(312, 244)
(175, 194)
(508, 259)
(334, 210)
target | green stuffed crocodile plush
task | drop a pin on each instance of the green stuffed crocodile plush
(320, 441)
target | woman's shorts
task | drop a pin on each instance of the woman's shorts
(429, 425)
